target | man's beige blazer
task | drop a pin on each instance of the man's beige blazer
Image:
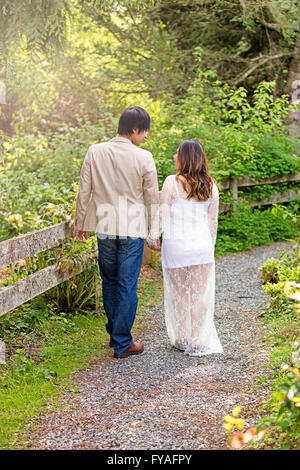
(118, 190)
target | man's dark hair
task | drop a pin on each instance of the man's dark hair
(133, 118)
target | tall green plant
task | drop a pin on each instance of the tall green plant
(77, 293)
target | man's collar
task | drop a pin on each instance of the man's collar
(121, 139)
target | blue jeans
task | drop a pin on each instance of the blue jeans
(120, 261)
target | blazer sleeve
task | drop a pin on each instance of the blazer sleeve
(84, 191)
(151, 195)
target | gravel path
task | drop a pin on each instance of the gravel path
(164, 399)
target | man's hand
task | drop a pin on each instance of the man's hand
(155, 245)
(81, 235)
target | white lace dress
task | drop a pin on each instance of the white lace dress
(189, 231)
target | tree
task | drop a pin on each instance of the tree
(115, 49)
(38, 23)
(144, 57)
(245, 41)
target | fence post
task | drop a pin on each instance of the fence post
(2, 353)
(233, 187)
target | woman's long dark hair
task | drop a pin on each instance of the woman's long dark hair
(194, 168)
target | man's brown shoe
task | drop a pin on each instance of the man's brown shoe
(135, 348)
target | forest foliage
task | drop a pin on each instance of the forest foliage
(68, 78)
(221, 72)
(71, 66)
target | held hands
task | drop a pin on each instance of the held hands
(81, 235)
(154, 244)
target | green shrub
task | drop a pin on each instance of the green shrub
(269, 271)
(240, 137)
(282, 412)
(276, 274)
(249, 227)
(79, 291)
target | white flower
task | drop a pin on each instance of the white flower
(295, 296)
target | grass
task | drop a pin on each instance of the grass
(45, 351)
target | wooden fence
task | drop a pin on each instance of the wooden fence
(233, 185)
(35, 242)
(31, 244)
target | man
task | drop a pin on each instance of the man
(121, 179)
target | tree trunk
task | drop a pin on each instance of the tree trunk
(293, 90)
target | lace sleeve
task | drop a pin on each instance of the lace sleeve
(165, 198)
(213, 211)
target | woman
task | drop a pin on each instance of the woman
(189, 216)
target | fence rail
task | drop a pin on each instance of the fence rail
(35, 242)
(241, 182)
(233, 185)
(35, 284)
